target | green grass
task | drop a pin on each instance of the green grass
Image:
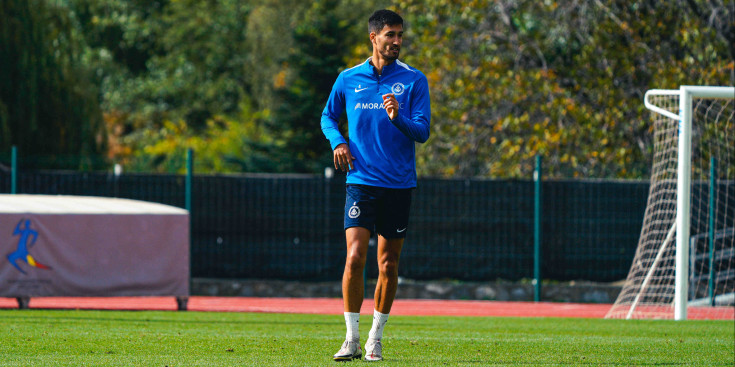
(160, 338)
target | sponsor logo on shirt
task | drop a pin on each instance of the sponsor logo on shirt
(368, 106)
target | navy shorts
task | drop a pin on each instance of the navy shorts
(378, 209)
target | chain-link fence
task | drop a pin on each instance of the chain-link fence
(290, 226)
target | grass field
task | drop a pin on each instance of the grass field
(164, 338)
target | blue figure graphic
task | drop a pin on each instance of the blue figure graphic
(22, 252)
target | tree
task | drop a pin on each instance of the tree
(323, 40)
(508, 79)
(513, 79)
(165, 61)
(48, 104)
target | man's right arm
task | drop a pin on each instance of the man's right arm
(332, 111)
(330, 127)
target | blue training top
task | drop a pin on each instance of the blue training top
(384, 150)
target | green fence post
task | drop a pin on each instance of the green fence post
(13, 170)
(182, 302)
(537, 231)
(712, 203)
(189, 176)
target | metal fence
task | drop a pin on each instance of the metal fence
(290, 226)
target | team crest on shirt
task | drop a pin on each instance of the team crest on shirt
(398, 89)
(354, 211)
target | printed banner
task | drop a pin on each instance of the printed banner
(50, 251)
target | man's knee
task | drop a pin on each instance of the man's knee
(389, 267)
(355, 261)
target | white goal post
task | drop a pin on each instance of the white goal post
(648, 262)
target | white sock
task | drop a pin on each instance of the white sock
(352, 319)
(379, 320)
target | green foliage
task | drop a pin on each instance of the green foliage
(185, 66)
(509, 79)
(227, 144)
(164, 61)
(321, 38)
(321, 41)
(48, 104)
(513, 79)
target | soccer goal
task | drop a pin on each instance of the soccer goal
(685, 260)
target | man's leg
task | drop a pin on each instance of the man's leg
(389, 252)
(353, 289)
(352, 279)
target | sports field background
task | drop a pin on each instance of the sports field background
(165, 338)
(113, 97)
(226, 331)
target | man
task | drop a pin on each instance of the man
(388, 110)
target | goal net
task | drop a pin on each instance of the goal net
(684, 265)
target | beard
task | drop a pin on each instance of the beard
(391, 54)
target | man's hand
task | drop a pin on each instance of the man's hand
(391, 105)
(343, 158)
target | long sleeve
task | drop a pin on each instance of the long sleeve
(417, 126)
(331, 114)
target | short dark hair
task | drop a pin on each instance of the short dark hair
(382, 18)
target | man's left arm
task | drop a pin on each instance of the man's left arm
(417, 125)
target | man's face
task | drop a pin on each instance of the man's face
(388, 41)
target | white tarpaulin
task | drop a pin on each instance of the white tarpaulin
(92, 246)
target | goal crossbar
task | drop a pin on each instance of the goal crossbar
(691, 91)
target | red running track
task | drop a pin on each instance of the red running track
(334, 306)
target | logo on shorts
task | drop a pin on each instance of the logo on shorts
(354, 211)
(398, 89)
